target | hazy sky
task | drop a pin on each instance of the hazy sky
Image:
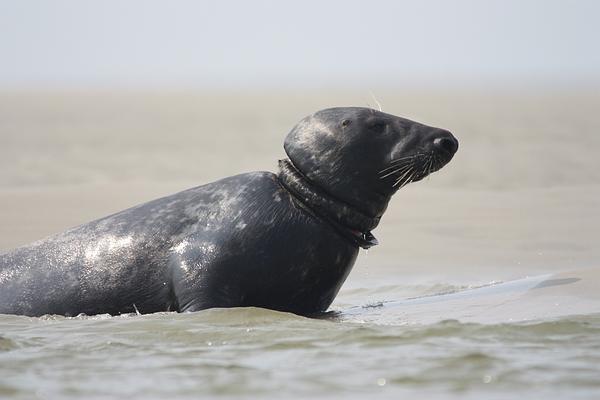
(298, 43)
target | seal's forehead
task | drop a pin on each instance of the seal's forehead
(331, 116)
(326, 122)
(338, 114)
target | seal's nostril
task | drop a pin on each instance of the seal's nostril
(447, 144)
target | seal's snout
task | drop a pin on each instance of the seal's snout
(447, 144)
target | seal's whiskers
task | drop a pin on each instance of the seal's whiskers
(395, 171)
(407, 169)
(417, 167)
(402, 161)
(397, 165)
(429, 166)
(404, 177)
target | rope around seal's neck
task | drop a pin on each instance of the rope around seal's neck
(350, 222)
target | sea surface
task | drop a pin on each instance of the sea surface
(486, 282)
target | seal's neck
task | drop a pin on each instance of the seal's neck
(347, 219)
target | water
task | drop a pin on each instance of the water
(432, 312)
(265, 354)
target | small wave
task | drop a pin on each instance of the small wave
(7, 344)
(410, 290)
(380, 295)
(244, 316)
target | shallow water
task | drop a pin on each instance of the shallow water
(265, 354)
(521, 198)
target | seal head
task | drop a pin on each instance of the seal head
(361, 156)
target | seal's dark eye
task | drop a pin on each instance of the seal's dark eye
(377, 126)
(345, 122)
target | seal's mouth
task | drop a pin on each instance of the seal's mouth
(412, 168)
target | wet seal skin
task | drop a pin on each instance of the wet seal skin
(283, 241)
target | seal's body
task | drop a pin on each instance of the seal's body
(285, 242)
(241, 241)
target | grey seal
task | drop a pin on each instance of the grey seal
(284, 241)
